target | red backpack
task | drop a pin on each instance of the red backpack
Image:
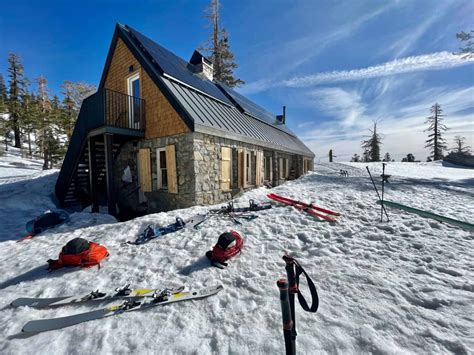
(79, 252)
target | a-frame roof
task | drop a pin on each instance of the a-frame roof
(206, 106)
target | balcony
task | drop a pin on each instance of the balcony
(114, 112)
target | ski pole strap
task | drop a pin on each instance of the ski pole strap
(312, 289)
(293, 271)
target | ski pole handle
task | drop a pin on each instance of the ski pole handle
(286, 316)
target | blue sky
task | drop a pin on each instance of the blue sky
(337, 65)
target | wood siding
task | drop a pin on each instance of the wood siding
(161, 118)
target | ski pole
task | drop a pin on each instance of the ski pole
(286, 316)
(383, 183)
(377, 191)
(293, 290)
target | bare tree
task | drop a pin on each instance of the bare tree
(435, 141)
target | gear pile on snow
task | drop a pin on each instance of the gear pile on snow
(228, 245)
(79, 252)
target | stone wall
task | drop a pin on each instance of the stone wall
(207, 167)
(157, 200)
(198, 167)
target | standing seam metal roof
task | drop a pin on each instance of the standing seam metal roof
(207, 112)
(214, 105)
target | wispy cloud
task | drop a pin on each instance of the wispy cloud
(411, 37)
(397, 123)
(434, 61)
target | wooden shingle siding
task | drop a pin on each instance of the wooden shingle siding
(161, 118)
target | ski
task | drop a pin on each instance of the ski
(161, 298)
(301, 207)
(309, 205)
(253, 207)
(152, 232)
(120, 293)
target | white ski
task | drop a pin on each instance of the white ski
(160, 299)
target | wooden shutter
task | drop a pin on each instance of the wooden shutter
(225, 168)
(241, 168)
(258, 168)
(171, 169)
(144, 164)
(287, 172)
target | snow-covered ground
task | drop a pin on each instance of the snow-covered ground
(401, 287)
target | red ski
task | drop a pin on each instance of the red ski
(301, 206)
(309, 205)
(26, 237)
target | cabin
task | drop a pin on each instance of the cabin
(161, 134)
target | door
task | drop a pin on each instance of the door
(134, 111)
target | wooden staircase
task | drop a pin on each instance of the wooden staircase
(103, 124)
(78, 193)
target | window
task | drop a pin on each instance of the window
(134, 113)
(162, 170)
(267, 162)
(248, 168)
(226, 168)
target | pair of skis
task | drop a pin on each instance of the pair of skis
(134, 300)
(314, 210)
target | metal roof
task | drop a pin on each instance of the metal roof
(214, 107)
(252, 108)
(178, 68)
(209, 113)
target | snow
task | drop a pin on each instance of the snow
(406, 286)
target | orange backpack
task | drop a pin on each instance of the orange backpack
(79, 252)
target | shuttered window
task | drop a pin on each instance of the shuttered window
(226, 168)
(162, 170)
(166, 169)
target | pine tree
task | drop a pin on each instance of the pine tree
(372, 145)
(435, 141)
(355, 158)
(460, 146)
(30, 116)
(44, 135)
(218, 47)
(387, 157)
(69, 111)
(17, 84)
(331, 156)
(3, 96)
(56, 148)
(467, 39)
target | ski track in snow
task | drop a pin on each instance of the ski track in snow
(385, 288)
